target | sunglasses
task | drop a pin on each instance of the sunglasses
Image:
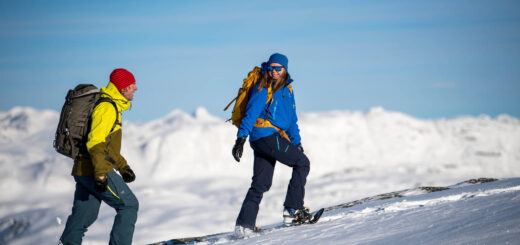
(277, 68)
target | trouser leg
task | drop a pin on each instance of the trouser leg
(261, 182)
(126, 205)
(120, 197)
(282, 150)
(85, 210)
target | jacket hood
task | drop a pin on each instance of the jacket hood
(111, 92)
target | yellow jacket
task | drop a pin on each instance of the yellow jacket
(102, 121)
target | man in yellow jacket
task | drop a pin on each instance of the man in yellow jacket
(96, 179)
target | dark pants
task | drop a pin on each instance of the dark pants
(86, 208)
(267, 151)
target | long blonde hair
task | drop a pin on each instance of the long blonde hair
(266, 80)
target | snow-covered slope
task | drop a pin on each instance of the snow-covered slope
(465, 214)
(185, 172)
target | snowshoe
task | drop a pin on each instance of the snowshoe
(293, 216)
(241, 232)
(300, 216)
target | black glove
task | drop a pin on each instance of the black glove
(127, 174)
(100, 184)
(300, 147)
(238, 149)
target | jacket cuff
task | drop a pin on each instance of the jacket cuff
(121, 163)
(241, 135)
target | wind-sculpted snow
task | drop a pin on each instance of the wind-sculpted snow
(185, 171)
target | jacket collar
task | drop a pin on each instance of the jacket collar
(110, 91)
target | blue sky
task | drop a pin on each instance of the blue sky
(429, 59)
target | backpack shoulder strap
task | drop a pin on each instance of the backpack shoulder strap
(269, 94)
(248, 83)
(105, 99)
(107, 156)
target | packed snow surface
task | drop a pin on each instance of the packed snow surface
(188, 183)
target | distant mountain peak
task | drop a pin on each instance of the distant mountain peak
(14, 119)
(201, 113)
(25, 120)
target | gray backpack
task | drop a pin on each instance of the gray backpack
(74, 125)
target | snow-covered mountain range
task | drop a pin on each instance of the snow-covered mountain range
(185, 171)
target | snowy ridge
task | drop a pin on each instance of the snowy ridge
(407, 205)
(184, 166)
(334, 140)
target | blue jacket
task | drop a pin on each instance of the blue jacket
(281, 113)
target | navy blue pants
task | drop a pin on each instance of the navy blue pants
(86, 208)
(267, 151)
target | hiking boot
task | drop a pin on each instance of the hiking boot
(296, 216)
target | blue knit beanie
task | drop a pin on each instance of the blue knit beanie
(280, 59)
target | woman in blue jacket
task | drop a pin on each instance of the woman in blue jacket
(271, 124)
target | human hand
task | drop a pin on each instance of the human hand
(238, 149)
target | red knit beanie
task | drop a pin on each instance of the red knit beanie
(121, 78)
